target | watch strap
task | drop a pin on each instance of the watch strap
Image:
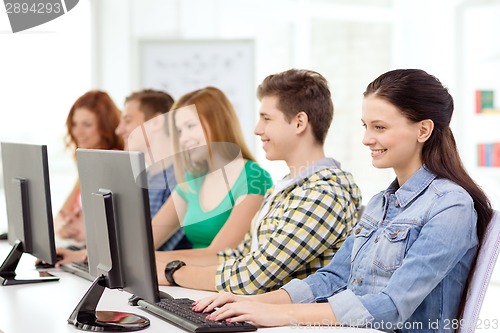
(169, 271)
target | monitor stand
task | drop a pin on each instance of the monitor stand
(85, 316)
(8, 274)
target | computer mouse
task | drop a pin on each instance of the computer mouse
(4, 235)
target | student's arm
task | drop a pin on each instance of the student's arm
(231, 234)
(304, 230)
(271, 315)
(270, 309)
(67, 213)
(72, 198)
(193, 277)
(70, 256)
(196, 257)
(166, 221)
(312, 221)
(208, 258)
(445, 239)
(238, 223)
(250, 195)
(208, 304)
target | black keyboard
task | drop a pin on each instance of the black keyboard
(180, 313)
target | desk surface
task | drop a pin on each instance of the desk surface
(45, 307)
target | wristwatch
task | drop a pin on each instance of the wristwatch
(171, 268)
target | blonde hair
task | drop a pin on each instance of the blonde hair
(219, 122)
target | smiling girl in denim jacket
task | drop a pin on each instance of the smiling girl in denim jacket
(406, 266)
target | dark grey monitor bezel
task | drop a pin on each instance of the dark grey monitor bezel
(119, 172)
(29, 162)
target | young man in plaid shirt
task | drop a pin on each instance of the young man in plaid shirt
(304, 218)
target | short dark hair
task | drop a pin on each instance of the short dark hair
(301, 90)
(151, 101)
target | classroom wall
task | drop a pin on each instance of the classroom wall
(349, 42)
(42, 72)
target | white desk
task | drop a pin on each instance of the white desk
(45, 307)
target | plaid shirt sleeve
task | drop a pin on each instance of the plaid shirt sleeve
(304, 225)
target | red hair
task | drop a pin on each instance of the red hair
(108, 118)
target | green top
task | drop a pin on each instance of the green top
(201, 226)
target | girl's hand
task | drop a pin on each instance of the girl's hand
(70, 256)
(208, 304)
(259, 314)
(72, 225)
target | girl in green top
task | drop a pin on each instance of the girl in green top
(201, 225)
(220, 187)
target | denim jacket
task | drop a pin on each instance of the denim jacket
(405, 266)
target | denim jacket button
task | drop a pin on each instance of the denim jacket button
(396, 203)
(357, 231)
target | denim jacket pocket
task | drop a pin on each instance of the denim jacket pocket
(391, 247)
(361, 234)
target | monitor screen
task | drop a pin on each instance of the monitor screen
(29, 209)
(117, 219)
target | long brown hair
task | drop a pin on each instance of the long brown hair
(108, 118)
(217, 117)
(419, 96)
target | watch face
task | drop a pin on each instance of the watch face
(174, 264)
(171, 268)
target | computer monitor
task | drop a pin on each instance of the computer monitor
(120, 248)
(29, 211)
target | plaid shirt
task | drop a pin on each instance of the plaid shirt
(306, 224)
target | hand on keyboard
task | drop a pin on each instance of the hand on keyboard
(208, 304)
(232, 308)
(68, 255)
(180, 312)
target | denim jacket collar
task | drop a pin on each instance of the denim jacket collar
(412, 188)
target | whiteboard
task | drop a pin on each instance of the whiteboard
(181, 66)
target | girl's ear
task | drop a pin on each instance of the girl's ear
(425, 129)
